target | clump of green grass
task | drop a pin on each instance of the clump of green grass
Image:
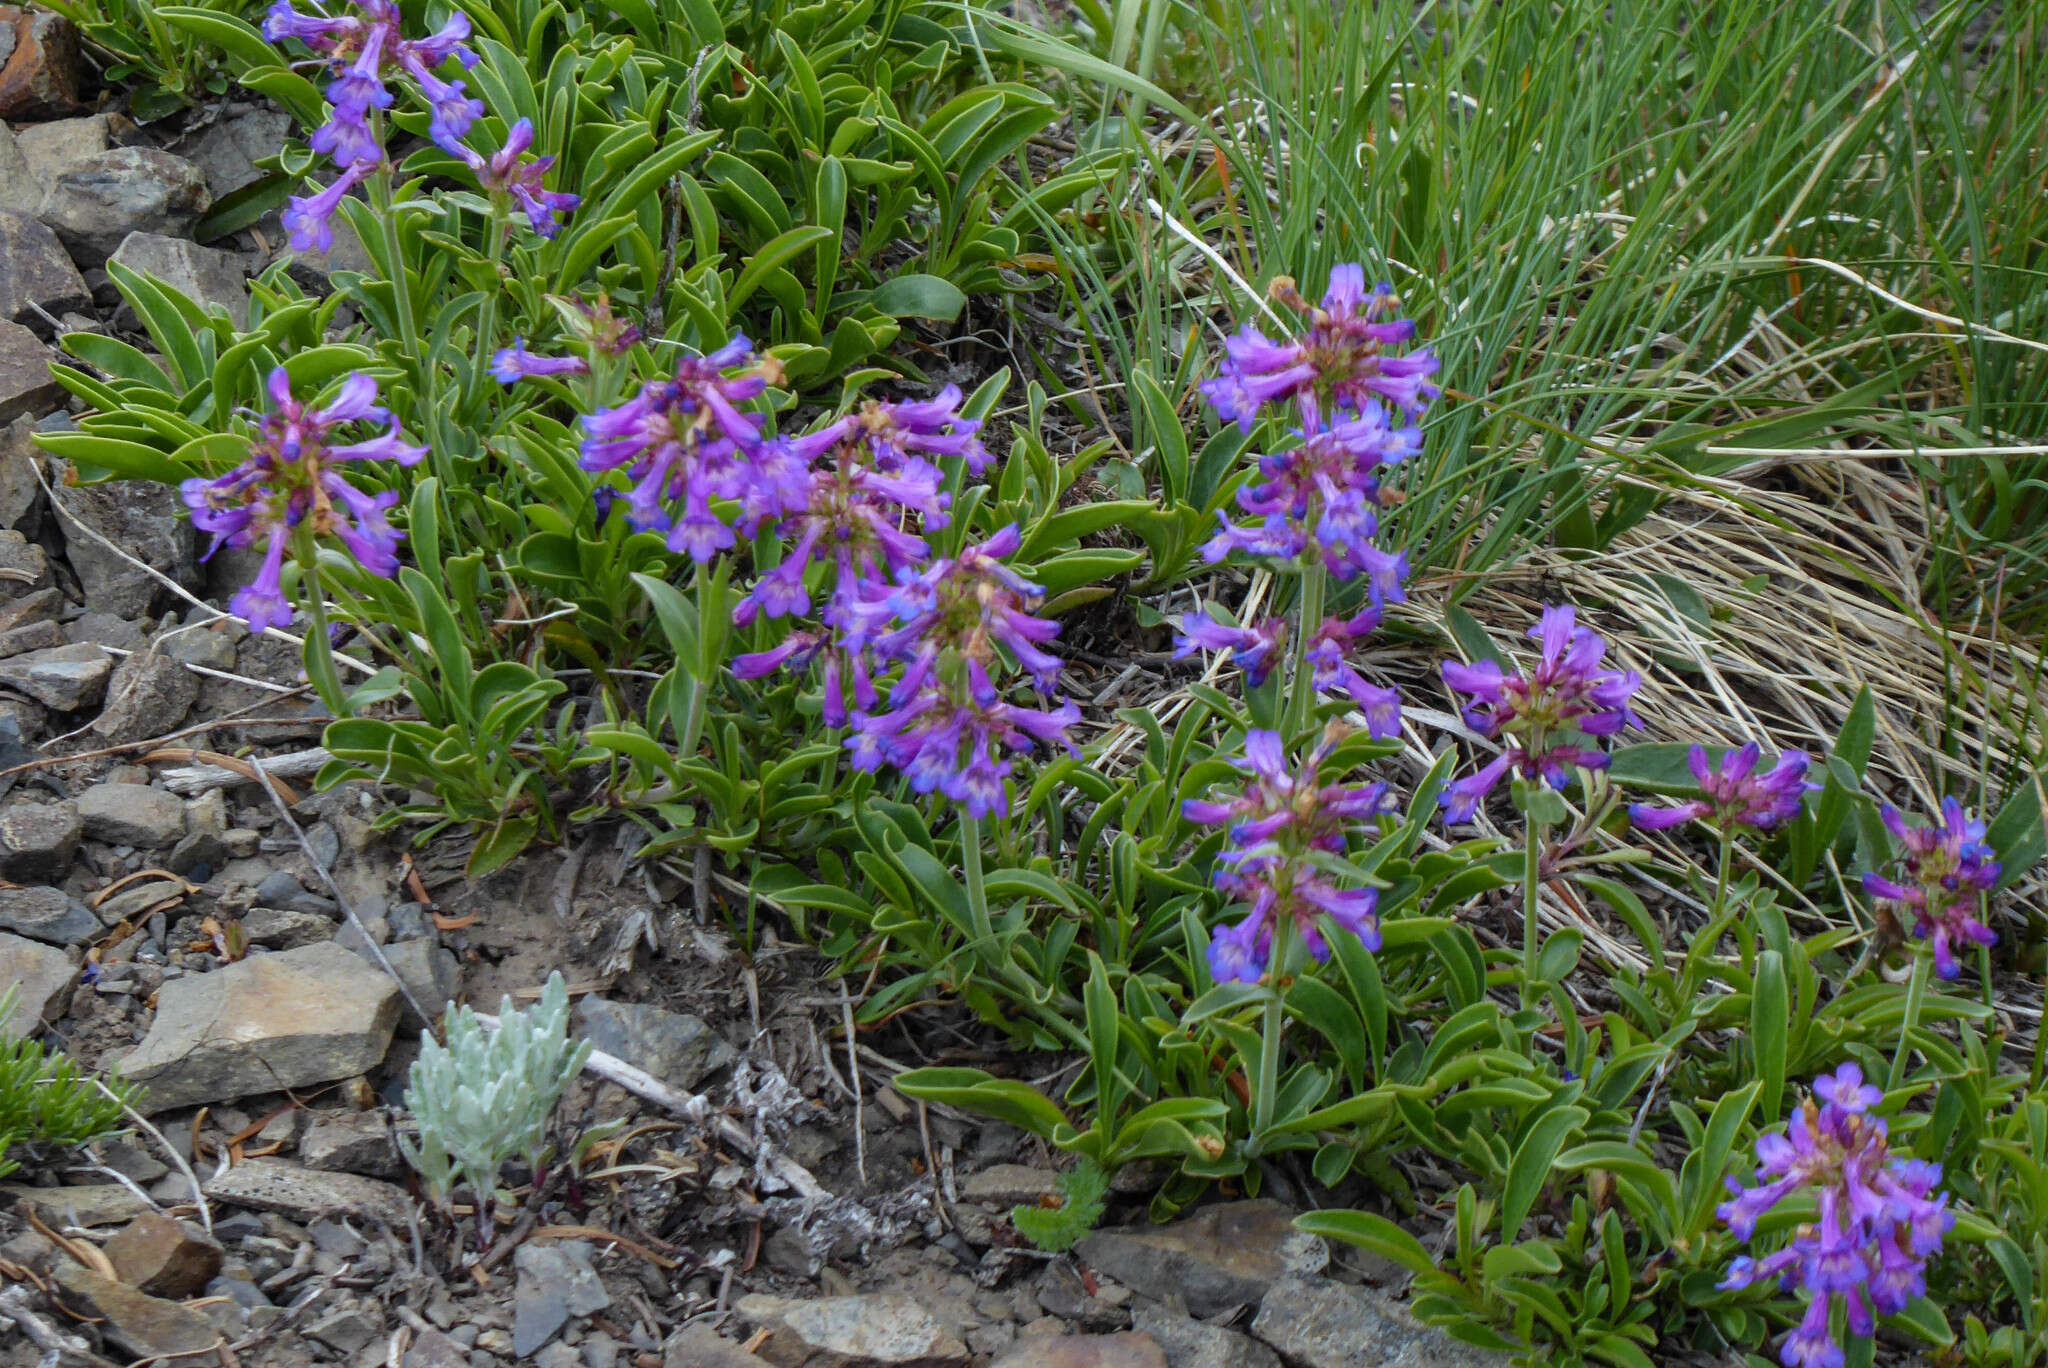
(46, 1100)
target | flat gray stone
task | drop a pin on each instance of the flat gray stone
(99, 200)
(276, 929)
(1316, 1323)
(1124, 1350)
(26, 565)
(352, 1142)
(42, 977)
(132, 815)
(21, 493)
(94, 1204)
(65, 678)
(1221, 1256)
(266, 1023)
(148, 695)
(47, 914)
(50, 149)
(38, 841)
(556, 1281)
(880, 1330)
(228, 151)
(429, 973)
(36, 636)
(25, 383)
(308, 1194)
(673, 1046)
(699, 1346)
(1008, 1185)
(1190, 1343)
(211, 279)
(35, 270)
(20, 191)
(141, 1326)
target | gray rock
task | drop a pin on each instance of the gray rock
(65, 678)
(21, 493)
(40, 605)
(228, 151)
(698, 1346)
(132, 815)
(99, 200)
(344, 1331)
(42, 978)
(46, 914)
(35, 270)
(278, 888)
(140, 1326)
(558, 1355)
(20, 191)
(40, 79)
(269, 1022)
(1190, 1343)
(50, 149)
(1221, 1256)
(38, 841)
(309, 1194)
(209, 644)
(432, 1349)
(211, 279)
(874, 1331)
(104, 629)
(352, 1142)
(1085, 1351)
(26, 568)
(36, 636)
(429, 973)
(93, 1204)
(145, 519)
(315, 270)
(199, 850)
(677, 1048)
(276, 929)
(556, 1281)
(148, 695)
(25, 383)
(1316, 1323)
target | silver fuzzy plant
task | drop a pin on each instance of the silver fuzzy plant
(485, 1096)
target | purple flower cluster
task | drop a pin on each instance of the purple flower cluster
(1256, 650)
(1736, 795)
(289, 481)
(1878, 1222)
(686, 441)
(947, 726)
(1356, 402)
(1546, 715)
(594, 326)
(362, 48)
(1274, 830)
(1947, 867)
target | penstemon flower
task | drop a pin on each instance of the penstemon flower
(1736, 795)
(1878, 1218)
(1947, 866)
(1545, 714)
(686, 441)
(947, 726)
(289, 482)
(515, 363)
(1339, 363)
(1274, 829)
(903, 435)
(1256, 650)
(510, 172)
(361, 46)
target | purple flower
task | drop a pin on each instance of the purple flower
(1255, 650)
(903, 433)
(516, 363)
(290, 481)
(361, 47)
(1327, 655)
(1946, 868)
(968, 605)
(1736, 795)
(1284, 817)
(685, 442)
(1545, 714)
(951, 741)
(1340, 363)
(1878, 1219)
(509, 171)
(310, 218)
(1321, 499)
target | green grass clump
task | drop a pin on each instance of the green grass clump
(46, 1100)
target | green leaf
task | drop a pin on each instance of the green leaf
(919, 296)
(2019, 833)
(973, 1090)
(1530, 1169)
(771, 257)
(1367, 1231)
(497, 845)
(1769, 1021)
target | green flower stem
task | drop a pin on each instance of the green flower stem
(985, 946)
(1532, 897)
(1301, 701)
(319, 650)
(1272, 1028)
(487, 314)
(1721, 878)
(1916, 994)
